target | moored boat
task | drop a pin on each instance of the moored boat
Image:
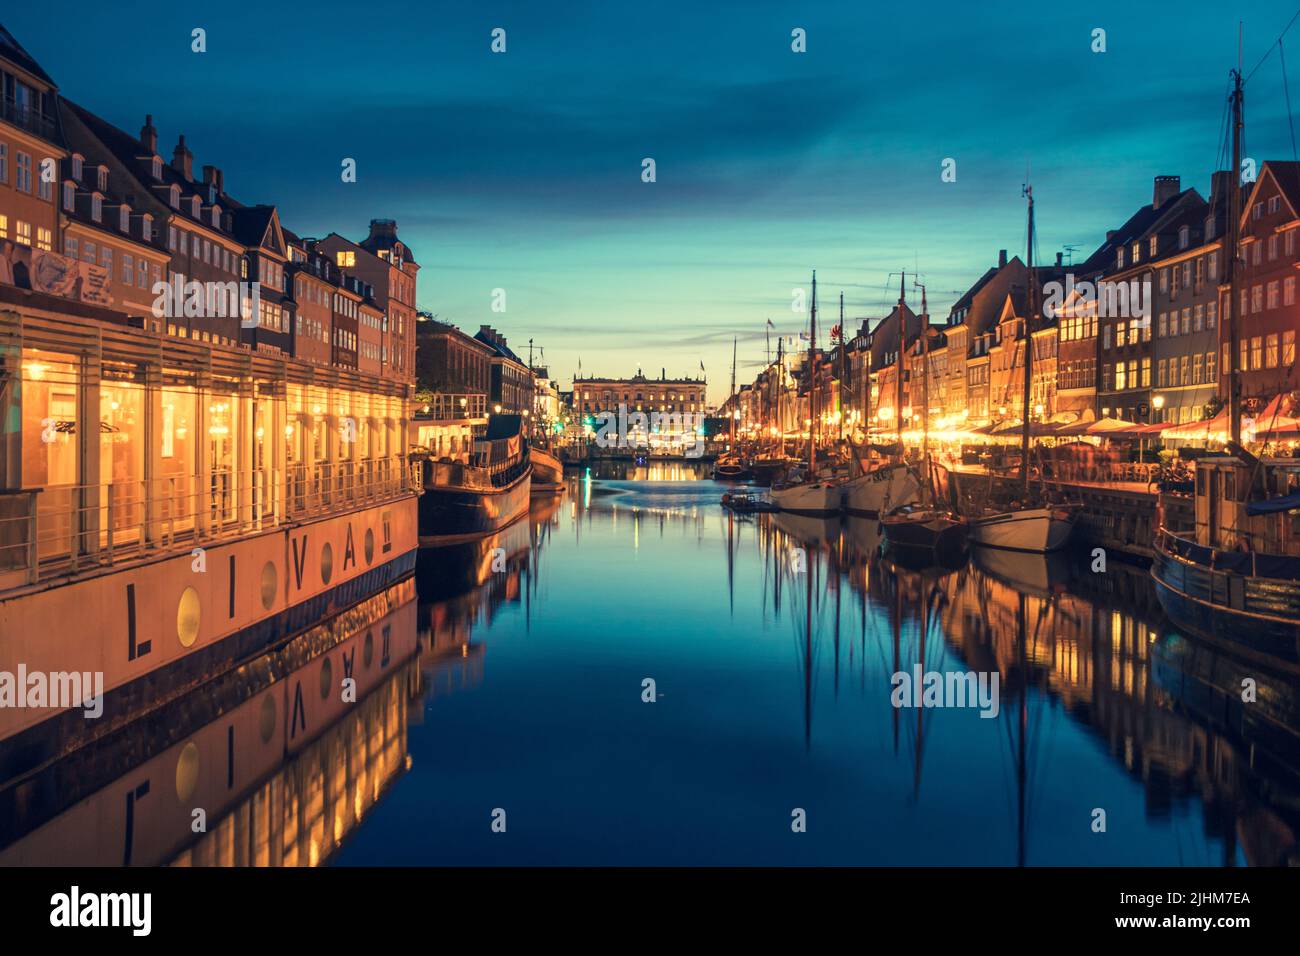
(1039, 530)
(883, 488)
(460, 501)
(919, 528)
(548, 472)
(818, 497)
(730, 468)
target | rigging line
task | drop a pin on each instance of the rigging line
(1270, 49)
(1286, 88)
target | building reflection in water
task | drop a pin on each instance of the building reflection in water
(1094, 646)
(269, 765)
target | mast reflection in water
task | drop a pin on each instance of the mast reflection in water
(515, 690)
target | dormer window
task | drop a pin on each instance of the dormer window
(146, 227)
(1119, 257)
(103, 179)
(1184, 236)
(196, 206)
(157, 167)
(69, 196)
(124, 218)
(76, 166)
(174, 196)
(1153, 247)
(1209, 227)
(96, 207)
(216, 217)
(1137, 252)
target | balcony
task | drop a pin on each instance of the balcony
(27, 118)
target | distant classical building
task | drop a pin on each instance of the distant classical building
(592, 395)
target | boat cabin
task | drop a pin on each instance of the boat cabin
(1247, 504)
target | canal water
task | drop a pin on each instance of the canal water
(635, 676)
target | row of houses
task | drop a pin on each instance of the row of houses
(1134, 332)
(95, 214)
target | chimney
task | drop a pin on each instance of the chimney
(1110, 234)
(213, 177)
(149, 135)
(1166, 188)
(183, 160)
(1220, 183)
(1058, 259)
(1002, 258)
(383, 229)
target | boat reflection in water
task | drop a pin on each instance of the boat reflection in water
(276, 763)
(1066, 644)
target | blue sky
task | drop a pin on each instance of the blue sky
(522, 170)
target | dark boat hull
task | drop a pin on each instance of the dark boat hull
(943, 539)
(1251, 613)
(451, 515)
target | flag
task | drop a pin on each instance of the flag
(770, 325)
(835, 334)
(701, 365)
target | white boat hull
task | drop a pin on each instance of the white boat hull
(816, 498)
(1035, 529)
(881, 489)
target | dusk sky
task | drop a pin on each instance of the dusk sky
(522, 170)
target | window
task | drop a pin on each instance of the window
(1164, 280)
(103, 179)
(23, 233)
(1198, 318)
(23, 174)
(1272, 247)
(1257, 211)
(1274, 203)
(1257, 352)
(1212, 266)
(1105, 337)
(44, 239)
(96, 207)
(1119, 257)
(174, 196)
(146, 227)
(1162, 369)
(4, 162)
(1184, 367)
(69, 196)
(1211, 314)
(1270, 351)
(1257, 298)
(1121, 377)
(124, 218)
(1209, 367)
(1164, 328)
(143, 274)
(1197, 368)
(128, 269)
(1288, 347)
(1183, 236)
(1146, 373)
(1187, 321)
(1273, 291)
(1121, 335)
(1151, 248)
(1255, 249)
(1288, 290)
(106, 259)
(45, 187)
(70, 247)
(171, 238)
(156, 167)
(347, 258)
(1288, 244)
(1137, 251)
(76, 166)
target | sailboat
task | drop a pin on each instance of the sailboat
(768, 466)
(1026, 526)
(813, 495)
(924, 526)
(893, 483)
(1235, 575)
(730, 467)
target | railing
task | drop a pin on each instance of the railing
(64, 529)
(26, 117)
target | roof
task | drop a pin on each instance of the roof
(13, 51)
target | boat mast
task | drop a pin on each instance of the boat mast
(812, 380)
(925, 365)
(1228, 308)
(839, 388)
(735, 405)
(1029, 348)
(780, 387)
(898, 384)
